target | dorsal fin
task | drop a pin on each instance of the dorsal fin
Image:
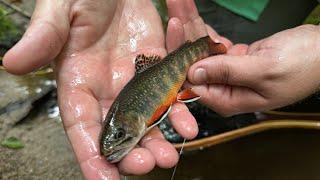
(143, 62)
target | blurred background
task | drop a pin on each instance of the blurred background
(34, 145)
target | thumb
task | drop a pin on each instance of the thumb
(43, 40)
(226, 69)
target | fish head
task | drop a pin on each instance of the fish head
(122, 131)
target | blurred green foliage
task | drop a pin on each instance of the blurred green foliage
(9, 31)
(161, 6)
(314, 17)
(12, 143)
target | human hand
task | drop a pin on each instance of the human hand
(94, 44)
(270, 73)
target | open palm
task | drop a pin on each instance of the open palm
(95, 44)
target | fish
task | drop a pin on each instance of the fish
(147, 98)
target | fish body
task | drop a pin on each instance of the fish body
(148, 96)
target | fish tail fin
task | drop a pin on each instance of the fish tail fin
(215, 48)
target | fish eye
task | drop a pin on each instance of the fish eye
(120, 133)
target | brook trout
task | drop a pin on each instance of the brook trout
(147, 98)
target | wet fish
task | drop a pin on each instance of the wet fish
(147, 98)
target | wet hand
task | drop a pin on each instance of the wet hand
(270, 73)
(94, 44)
(186, 24)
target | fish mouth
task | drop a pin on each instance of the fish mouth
(117, 155)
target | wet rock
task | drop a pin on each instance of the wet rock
(10, 33)
(17, 95)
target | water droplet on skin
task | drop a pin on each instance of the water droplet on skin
(78, 111)
(138, 158)
(164, 153)
(280, 58)
(73, 55)
(77, 81)
(116, 75)
(137, 29)
(104, 174)
(79, 76)
(133, 60)
(133, 44)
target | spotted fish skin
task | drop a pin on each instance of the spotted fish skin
(148, 95)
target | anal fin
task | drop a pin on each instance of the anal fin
(187, 96)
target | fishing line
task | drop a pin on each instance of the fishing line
(175, 168)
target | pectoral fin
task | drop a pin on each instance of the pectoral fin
(158, 116)
(143, 62)
(187, 95)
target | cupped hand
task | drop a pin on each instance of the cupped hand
(94, 44)
(270, 73)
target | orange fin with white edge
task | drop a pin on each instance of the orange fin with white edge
(161, 113)
(187, 96)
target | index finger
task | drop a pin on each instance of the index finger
(185, 10)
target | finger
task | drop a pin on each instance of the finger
(238, 50)
(229, 100)
(246, 71)
(43, 40)
(216, 38)
(254, 47)
(164, 153)
(97, 168)
(81, 116)
(183, 121)
(139, 161)
(154, 133)
(155, 150)
(175, 34)
(185, 10)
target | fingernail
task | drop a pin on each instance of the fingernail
(200, 75)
